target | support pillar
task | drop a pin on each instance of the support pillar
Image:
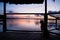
(4, 18)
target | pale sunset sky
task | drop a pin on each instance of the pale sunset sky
(31, 8)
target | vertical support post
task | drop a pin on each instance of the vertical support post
(45, 16)
(46, 33)
(4, 18)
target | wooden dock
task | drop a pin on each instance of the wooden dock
(25, 36)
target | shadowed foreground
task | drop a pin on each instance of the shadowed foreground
(25, 36)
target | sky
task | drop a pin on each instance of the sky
(31, 8)
(1, 8)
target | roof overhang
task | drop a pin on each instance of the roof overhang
(23, 1)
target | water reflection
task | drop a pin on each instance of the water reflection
(28, 24)
(1, 28)
(23, 24)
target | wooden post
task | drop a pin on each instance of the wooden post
(46, 33)
(4, 18)
(45, 16)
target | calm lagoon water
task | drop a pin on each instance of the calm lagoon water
(24, 24)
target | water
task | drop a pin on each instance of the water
(1, 28)
(24, 24)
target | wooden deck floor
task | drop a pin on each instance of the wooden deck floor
(25, 36)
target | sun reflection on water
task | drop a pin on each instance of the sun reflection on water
(25, 24)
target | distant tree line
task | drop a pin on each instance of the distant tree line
(54, 11)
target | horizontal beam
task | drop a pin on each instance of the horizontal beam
(33, 13)
(24, 13)
(23, 1)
